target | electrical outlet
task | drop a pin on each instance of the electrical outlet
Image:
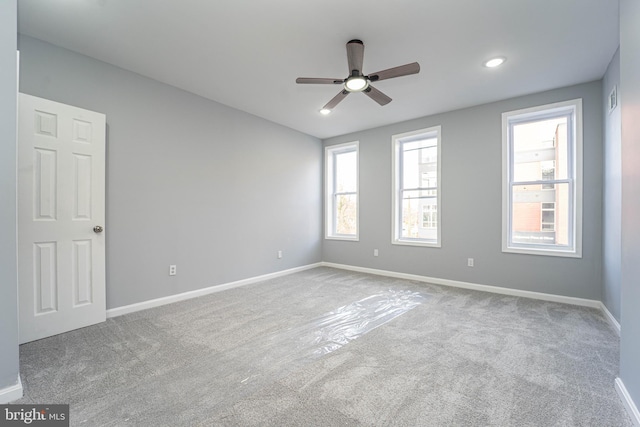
(172, 270)
(279, 254)
(375, 252)
(469, 262)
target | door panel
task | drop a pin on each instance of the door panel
(61, 197)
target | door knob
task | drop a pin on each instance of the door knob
(98, 229)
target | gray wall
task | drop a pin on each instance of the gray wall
(8, 270)
(471, 203)
(630, 102)
(189, 181)
(612, 195)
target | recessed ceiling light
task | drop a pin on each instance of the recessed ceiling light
(495, 62)
(325, 111)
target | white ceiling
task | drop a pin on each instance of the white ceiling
(247, 53)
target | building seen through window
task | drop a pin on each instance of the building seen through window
(540, 203)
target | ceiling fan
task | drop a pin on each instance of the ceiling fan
(358, 82)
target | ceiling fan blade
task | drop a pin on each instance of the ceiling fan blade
(336, 100)
(320, 81)
(355, 55)
(376, 95)
(402, 70)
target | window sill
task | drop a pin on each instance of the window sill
(416, 243)
(344, 238)
(542, 252)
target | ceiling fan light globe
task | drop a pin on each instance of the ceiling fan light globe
(356, 84)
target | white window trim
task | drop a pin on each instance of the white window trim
(577, 159)
(329, 184)
(395, 202)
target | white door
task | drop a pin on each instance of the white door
(61, 210)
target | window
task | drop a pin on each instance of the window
(429, 216)
(542, 180)
(548, 173)
(548, 217)
(416, 183)
(341, 183)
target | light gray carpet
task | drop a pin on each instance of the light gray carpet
(237, 358)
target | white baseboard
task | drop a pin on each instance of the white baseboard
(630, 406)
(612, 320)
(474, 286)
(119, 311)
(11, 393)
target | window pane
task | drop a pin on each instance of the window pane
(540, 150)
(548, 217)
(533, 221)
(346, 214)
(419, 215)
(346, 171)
(419, 162)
